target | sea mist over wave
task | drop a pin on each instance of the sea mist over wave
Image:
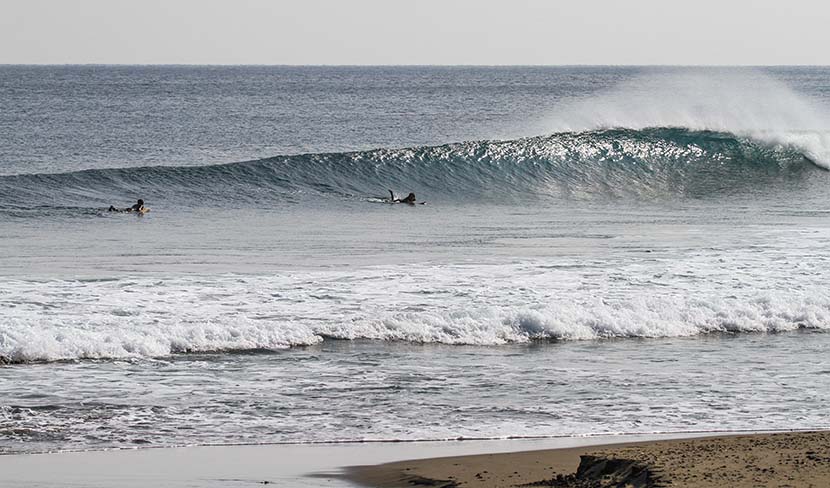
(747, 103)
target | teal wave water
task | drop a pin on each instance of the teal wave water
(646, 163)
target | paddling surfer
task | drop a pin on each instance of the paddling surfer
(410, 199)
(138, 207)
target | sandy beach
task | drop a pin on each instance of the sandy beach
(760, 460)
(294, 465)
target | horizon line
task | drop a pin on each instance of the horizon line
(325, 65)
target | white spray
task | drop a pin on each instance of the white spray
(745, 102)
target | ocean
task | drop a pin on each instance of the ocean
(603, 250)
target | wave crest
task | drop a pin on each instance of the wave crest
(644, 163)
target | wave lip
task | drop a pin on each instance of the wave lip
(642, 163)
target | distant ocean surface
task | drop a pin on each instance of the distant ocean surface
(602, 250)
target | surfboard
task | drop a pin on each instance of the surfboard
(387, 201)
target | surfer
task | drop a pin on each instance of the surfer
(410, 199)
(138, 207)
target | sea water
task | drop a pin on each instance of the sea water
(603, 250)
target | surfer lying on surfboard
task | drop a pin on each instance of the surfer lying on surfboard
(138, 207)
(410, 199)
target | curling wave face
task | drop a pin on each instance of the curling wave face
(645, 163)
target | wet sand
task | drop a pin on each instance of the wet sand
(292, 465)
(795, 460)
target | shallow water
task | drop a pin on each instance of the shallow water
(369, 390)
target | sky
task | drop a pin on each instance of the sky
(396, 32)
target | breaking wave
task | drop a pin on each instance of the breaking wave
(113, 319)
(640, 163)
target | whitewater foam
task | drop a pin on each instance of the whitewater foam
(490, 305)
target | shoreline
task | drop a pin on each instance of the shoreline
(307, 465)
(591, 439)
(782, 459)
(448, 464)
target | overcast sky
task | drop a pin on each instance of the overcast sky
(746, 32)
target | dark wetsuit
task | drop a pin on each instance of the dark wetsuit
(138, 207)
(410, 199)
